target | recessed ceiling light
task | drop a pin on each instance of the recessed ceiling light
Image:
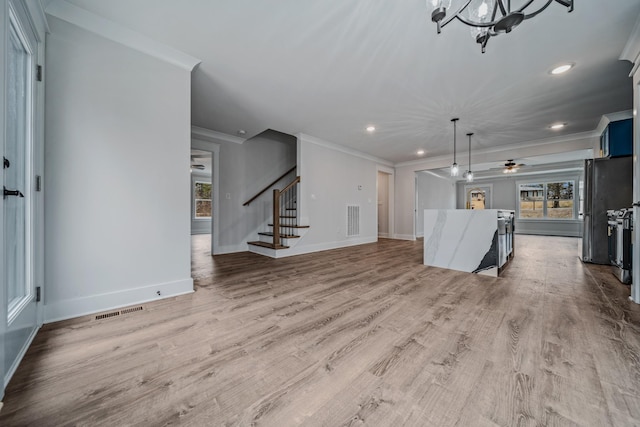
(557, 126)
(561, 69)
(371, 128)
(242, 132)
(420, 152)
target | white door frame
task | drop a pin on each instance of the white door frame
(391, 172)
(214, 149)
(33, 20)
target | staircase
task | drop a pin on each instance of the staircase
(283, 231)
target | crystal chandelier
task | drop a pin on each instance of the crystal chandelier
(488, 18)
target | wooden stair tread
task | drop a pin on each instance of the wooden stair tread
(268, 245)
(282, 236)
(288, 216)
(290, 226)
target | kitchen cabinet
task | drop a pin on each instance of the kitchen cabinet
(617, 139)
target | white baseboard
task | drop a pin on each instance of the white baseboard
(198, 232)
(231, 249)
(383, 235)
(301, 249)
(68, 309)
(404, 237)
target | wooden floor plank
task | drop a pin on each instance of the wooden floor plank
(365, 335)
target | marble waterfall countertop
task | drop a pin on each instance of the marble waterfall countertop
(462, 239)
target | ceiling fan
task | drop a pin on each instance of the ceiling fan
(511, 167)
(195, 157)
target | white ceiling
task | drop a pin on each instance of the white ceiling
(329, 68)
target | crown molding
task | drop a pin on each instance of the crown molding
(342, 149)
(501, 149)
(115, 32)
(214, 136)
(631, 51)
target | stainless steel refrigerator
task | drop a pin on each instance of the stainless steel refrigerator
(608, 184)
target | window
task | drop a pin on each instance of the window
(202, 199)
(552, 200)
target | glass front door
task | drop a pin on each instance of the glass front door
(17, 200)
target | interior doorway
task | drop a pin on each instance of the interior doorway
(383, 205)
(478, 196)
(205, 201)
(201, 191)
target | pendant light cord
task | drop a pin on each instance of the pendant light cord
(454, 139)
(469, 135)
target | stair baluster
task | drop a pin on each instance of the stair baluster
(285, 218)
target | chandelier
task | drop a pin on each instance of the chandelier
(488, 18)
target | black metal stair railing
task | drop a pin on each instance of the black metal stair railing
(285, 215)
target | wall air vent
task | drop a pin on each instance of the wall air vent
(353, 220)
(130, 310)
(107, 315)
(118, 313)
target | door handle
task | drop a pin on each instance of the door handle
(7, 193)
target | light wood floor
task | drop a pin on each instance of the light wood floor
(364, 335)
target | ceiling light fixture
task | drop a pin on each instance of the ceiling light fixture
(420, 152)
(469, 174)
(454, 167)
(371, 128)
(488, 18)
(561, 69)
(511, 167)
(557, 126)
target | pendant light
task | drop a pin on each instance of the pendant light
(454, 167)
(469, 173)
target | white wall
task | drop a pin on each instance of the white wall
(245, 168)
(505, 196)
(332, 178)
(199, 225)
(405, 172)
(383, 204)
(432, 192)
(117, 166)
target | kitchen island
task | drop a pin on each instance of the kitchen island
(475, 241)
